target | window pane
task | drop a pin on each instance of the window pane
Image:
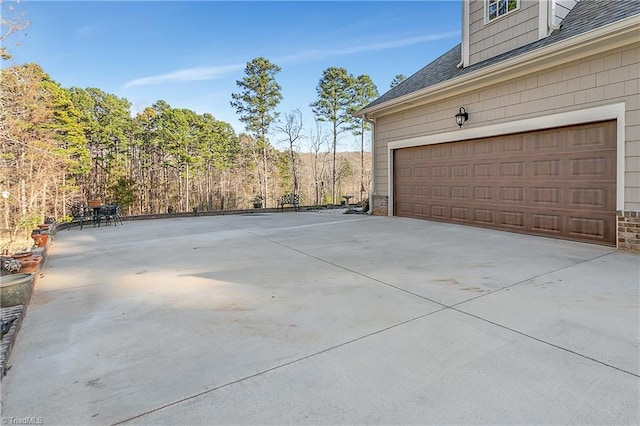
(502, 9)
(513, 4)
(492, 11)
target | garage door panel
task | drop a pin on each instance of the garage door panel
(511, 169)
(587, 227)
(590, 138)
(590, 167)
(484, 170)
(484, 147)
(406, 190)
(546, 223)
(545, 142)
(460, 193)
(460, 214)
(421, 172)
(459, 150)
(439, 172)
(440, 191)
(459, 171)
(558, 182)
(512, 194)
(484, 193)
(546, 197)
(512, 220)
(546, 168)
(440, 211)
(513, 145)
(422, 210)
(588, 197)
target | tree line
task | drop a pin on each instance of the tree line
(60, 147)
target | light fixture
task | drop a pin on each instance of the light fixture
(461, 116)
(5, 194)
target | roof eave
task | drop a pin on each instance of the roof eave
(601, 39)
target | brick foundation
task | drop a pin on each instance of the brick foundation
(629, 230)
(380, 205)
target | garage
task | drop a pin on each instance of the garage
(557, 182)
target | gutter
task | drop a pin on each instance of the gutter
(373, 161)
(614, 35)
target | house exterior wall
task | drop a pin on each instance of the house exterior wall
(598, 80)
(561, 8)
(514, 30)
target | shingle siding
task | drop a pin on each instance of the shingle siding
(562, 9)
(514, 30)
(602, 79)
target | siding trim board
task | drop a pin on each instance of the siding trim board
(608, 112)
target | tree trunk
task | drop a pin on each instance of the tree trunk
(362, 160)
(266, 179)
(333, 178)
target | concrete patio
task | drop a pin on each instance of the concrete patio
(308, 318)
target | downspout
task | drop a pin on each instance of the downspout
(546, 18)
(373, 161)
(464, 45)
(551, 17)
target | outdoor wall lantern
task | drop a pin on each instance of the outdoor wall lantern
(461, 117)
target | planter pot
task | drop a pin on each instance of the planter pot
(23, 256)
(44, 226)
(30, 265)
(40, 252)
(40, 239)
(95, 203)
(15, 289)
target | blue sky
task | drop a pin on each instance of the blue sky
(190, 54)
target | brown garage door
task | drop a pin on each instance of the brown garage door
(558, 182)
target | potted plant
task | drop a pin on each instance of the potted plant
(40, 237)
(257, 202)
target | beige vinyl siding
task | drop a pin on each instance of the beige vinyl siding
(598, 80)
(514, 30)
(561, 9)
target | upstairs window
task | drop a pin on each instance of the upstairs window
(498, 8)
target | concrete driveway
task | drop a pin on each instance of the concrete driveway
(308, 318)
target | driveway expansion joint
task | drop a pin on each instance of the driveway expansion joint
(277, 367)
(532, 278)
(546, 342)
(489, 362)
(454, 306)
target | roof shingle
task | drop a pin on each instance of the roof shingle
(585, 16)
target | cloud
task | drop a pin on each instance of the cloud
(189, 74)
(318, 54)
(210, 73)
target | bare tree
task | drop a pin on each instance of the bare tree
(292, 129)
(11, 21)
(318, 142)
